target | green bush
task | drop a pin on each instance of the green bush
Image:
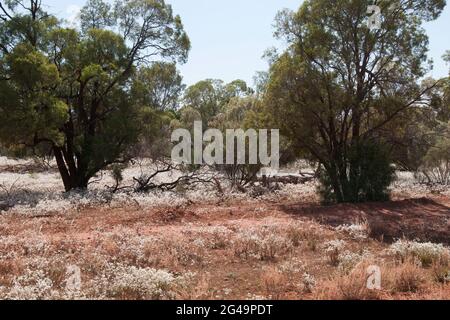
(369, 173)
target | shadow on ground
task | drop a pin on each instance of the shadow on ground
(418, 219)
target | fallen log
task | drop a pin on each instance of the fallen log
(285, 179)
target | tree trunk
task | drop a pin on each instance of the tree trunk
(339, 173)
(335, 182)
(65, 176)
(74, 178)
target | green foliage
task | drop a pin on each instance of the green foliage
(235, 116)
(28, 105)
(156, 128)
(339, 84)
(96, 14)
(159, 86)
(441, 151)
(152, 28)
(83, 92)
(436, 163)
(371, 175)
(209, 97)
(221, 106)
(205, 97)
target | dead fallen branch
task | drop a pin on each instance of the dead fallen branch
(149, 182)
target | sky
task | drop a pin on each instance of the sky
(229, 37)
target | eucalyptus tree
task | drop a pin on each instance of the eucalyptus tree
(340, 82)
(209, 97)
(71, 89)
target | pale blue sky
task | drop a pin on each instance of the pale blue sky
(229, 37)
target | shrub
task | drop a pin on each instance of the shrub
(274, 283)
(441, 273)
(129, 282)
(436, 164)
(308, 283)
(349, 260)
(407, 278)
(369, 173)
(33, 285)
(187, 254)
(351, 286)
(425, 253)
(218, 237)
(263, 245)
(357, 232)
(295, 234)
(305, 231)
(333, 250)
(291, 267)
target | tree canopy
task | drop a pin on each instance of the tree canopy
(339, 82)
(72, 90)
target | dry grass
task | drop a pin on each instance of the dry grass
(407, 278)
(132, 255)
(351, 286)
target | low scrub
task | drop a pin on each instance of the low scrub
(424, 253)
(261, 244)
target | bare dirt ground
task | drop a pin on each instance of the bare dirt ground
(227, 250)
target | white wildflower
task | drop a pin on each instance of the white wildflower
(33, 285)
(357, 232)
(129, 282)
(425, 253)
(308, 283)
